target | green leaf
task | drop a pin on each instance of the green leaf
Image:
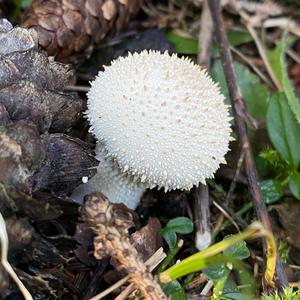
(181, 225)
(231, 292)
(255, 94)
(183, 45)
(287, 85)
(189, 45)
(22, 3)
(216, 272)
(171, 238)
(283, 129)
(175, 290)
(271, 190)
(276, 57)
(294, 184)
(273, 165)
(238, 250)
(238, 37)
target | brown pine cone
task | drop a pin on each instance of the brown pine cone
(33, 105)
(31, 84)
(69, 29)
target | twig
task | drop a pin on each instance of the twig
(226, 214)
(170, 255)
(93, 286)
(152, 262)
(199, 280)
(252, 66)
(221, 224)
(111, 288)
(294, 284)
(202, 217)
(205, 37)
(6, 265)
(239, 110)
(236, 175)
(77, 88)
(262, 8)
(201, 193)
(207, 287)
(262, 52)
(283, 23)
(112, 239)
(293, 55)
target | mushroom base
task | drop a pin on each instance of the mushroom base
(117, 187)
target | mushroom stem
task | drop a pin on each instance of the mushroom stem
(116, 186)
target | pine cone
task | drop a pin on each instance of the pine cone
(70, 29)
(31, 84)
(34, 111)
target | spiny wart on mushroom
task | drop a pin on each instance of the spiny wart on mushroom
(161, 121)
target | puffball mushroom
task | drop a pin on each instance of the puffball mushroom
(161, 120)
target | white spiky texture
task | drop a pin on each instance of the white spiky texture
(161, 119)
(117, 187)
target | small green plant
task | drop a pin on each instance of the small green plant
(283, 130)
(22, 3)
(218, 260)
(288, 294)
(283, 250)
(219, 273)
(283, 124)
(180, 225)
(19, 5)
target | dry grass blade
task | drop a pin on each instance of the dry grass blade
(6, 265)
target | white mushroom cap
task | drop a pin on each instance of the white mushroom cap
(161, 119)
(117, 187)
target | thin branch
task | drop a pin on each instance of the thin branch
(251, 65)
(249, 23)
(226, 214)
(112, 239)
(239, 111)
(205, 37)
(77, 88)
(236, 175)
(152, 263)
(201, 193)
(202, 217)
(6, 265)
(262, 52)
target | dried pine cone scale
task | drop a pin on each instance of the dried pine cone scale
(70, 29)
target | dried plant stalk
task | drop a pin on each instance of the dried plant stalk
(112, 239)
